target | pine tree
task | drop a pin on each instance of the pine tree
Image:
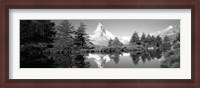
(65, 30)
(176, 42)
(148, 40)
(25, 31)
(158, 41)
(81, 38)
(177, 38)
(65, 36)
(152, 41)
(134, 39)
(110, 41)
(143, 39)
(36, 31)
(166, 39)
(166, 42)
(116, 42)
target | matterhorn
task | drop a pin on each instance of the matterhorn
(101, 36)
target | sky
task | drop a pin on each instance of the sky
(125, 27)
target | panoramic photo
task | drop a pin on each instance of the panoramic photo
(100, 43)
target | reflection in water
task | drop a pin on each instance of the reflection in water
(100, 59)
(70, 61)
(53, 61)
(121, 60)
(135, 59)
(146, 55)
(115, 57)
(79, 62)
(36, 61)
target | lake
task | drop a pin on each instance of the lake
(145, 59)
(123, 60)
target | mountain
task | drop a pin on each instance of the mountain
(101, 36)
(170, 31)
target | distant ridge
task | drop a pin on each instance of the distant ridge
(170, 31)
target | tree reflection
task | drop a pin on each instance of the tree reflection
(135, 57)
(145, 55)
(115, 57)
(35, 60)
(67, 60)
(72, 60)
(79, 62)
(63, 60)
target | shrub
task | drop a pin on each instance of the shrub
(172, 59)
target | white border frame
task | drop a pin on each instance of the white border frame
(15, 72)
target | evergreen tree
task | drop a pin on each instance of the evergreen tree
(65, 36)
(166, 42)
(110, 41)
(25, 31)
(143, 39)
(148, 40)
(116, 42)
(176, 42)
(177, 38)
(65, 30)
(36, 31)
(152, 41)
(81, 38)
(166, 39)
(134, 38)
(158, 41)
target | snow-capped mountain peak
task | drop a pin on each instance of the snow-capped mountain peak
(101, 36)
(99, 29)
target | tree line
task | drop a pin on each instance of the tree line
(64, 37)
(44, 34)
(150, 41)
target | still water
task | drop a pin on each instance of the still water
(122, 61)
(147, 59)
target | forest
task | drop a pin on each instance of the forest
(39, 37)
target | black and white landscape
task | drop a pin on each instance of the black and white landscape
(100, 43)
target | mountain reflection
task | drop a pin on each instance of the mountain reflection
(100, 59)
